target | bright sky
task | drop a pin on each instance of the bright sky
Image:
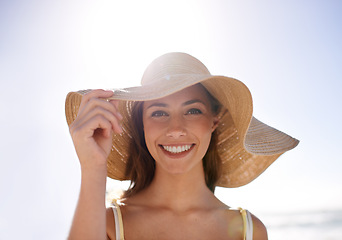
(288, 53)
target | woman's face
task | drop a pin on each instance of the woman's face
(178, 129)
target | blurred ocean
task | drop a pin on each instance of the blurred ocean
(314, 225)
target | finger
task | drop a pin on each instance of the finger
(98, 93)
(94, 103)
(115, 103)
(88, 128)
(94, 112)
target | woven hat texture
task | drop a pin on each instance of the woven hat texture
(246, 145)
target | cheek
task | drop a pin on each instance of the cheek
(203, 131)
(151, 135)
(207, 130)
(206, 137)
(151, 132)
(203, 127)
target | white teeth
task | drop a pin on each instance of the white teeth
(179, 149)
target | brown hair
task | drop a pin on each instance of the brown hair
(140, 167)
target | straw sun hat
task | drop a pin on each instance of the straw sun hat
(246, 145)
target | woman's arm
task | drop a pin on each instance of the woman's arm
(90, 216)
(91, 132)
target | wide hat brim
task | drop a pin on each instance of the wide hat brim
(246, 145)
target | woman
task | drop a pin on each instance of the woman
(176, 137)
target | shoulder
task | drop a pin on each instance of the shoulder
(236, 224)
(233, 223)
(259, 229)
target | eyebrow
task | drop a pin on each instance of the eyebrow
(193, 101)
(160, 104)
(157, 105)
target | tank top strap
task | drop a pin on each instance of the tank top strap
(119, 230)
(247, 224)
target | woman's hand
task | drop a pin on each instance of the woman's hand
(92, 132)
(93, 128)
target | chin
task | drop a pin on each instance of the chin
(179, 168)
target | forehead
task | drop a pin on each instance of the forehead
(196, 92)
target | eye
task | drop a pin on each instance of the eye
(159, 114)
(193, 111)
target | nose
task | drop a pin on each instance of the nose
(176, 128)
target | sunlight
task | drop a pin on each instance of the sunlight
(115, 38)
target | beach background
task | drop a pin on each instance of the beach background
(288, 53)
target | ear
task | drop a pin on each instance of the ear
(216, 122)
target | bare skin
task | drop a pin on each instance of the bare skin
(172, 207)
(91, 132)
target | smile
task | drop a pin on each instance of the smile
(177, 149)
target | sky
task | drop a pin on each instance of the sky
(288, 53)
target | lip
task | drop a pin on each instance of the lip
(176, 155)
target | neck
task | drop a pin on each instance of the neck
(179, 192)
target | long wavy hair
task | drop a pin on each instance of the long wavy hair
(140, 167)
